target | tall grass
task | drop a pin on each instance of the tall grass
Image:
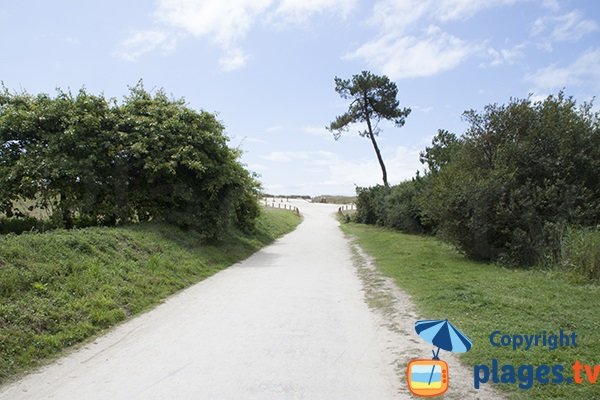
(580, 254)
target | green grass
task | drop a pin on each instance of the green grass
(580, 254)
(480, 298)
(61, 287)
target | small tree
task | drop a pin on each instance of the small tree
(444, 147)
(373, 99)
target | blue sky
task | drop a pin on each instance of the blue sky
(267, 67)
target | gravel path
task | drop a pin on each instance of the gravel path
(305, 318)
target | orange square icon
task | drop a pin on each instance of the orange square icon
(427, 378)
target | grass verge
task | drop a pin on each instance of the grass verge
(481, 298)
(61, 287)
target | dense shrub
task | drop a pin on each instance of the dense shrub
(370, 205)
(508, 188)
(402, 209)
(24, 224)
(523, 172)
(95, 162)
(395, 207)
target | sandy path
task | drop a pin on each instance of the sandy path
(290, 322)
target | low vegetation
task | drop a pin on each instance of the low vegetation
(580, 255)
(61, 287)
(481, 298)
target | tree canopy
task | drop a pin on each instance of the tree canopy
(373, 99)
(92, 161)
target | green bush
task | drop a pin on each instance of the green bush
(402, 210)
(395, 207)
(507, 189)
(96, 162)
(522, 172)
(370, 204)
(25, 224)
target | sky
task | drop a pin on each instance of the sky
(267, 68)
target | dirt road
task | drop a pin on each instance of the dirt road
(290, 322)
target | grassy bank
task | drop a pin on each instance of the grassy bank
(482, 298)
(61, 287)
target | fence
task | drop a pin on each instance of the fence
(280, 203)
(347, 207)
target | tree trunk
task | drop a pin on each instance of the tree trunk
(379, 158)
(67, 216)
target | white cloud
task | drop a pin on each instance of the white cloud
(402, 14)
(340, 175)
(402, 165)
(71, 40)
(552, 5)
(401, 53)
(422, 109)
(254, 140)
(563, 28)
(223, 22)
(505, 56)
(400, 56)
(462, 9)
(585, 69)
(274, 128)
(320, 131)
(142, 42)
(226, 22)
(233, 59)
(538, 97)
(398, 15)
(297, 11)
(258, 167)
(278, 156)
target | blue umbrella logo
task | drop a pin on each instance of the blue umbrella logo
(442, 334)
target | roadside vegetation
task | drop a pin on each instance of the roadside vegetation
(520, 187)
(481, 298)
(59, 288)
(107, 207)
(85, 160)
(501, 232)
